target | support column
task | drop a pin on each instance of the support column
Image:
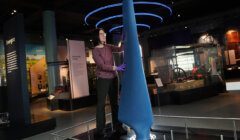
(50, 42)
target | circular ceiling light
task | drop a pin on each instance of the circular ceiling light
(121, 26)
(120, 4)
(119, 16)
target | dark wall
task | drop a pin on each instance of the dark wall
(3, 99)
(181, 37)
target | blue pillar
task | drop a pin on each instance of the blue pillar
(50, 42)
(135, 107)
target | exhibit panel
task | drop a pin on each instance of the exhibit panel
(3, 81)
(15, 57)
(78, 69)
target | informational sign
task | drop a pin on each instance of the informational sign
(78, 69)
(11, 61)
(226, 57)
(233, 86)
(232, 57)
(159, 82)
(11, 55)
(17, 92)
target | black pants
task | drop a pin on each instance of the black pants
(104, 87)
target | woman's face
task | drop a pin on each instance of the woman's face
(102, 36)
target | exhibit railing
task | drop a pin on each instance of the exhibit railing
(187, 118)
(72, 133)
(86, 127)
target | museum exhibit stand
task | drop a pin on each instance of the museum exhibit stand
(77, 79)
(187, 73)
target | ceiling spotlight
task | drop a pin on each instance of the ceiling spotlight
(185, 27)
(172, 2)
(15, 11)
(12, 13)
(66, 39)
(179, 15)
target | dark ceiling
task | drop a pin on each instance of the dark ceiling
(70, 13)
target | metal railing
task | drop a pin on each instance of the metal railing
(202, 118)
(57, 135)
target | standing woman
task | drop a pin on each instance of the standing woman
(106, 82)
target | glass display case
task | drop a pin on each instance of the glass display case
(232, 54)
(193, 70)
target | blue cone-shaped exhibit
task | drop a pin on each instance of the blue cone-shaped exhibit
(134, 108)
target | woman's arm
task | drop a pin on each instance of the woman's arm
(116, 48)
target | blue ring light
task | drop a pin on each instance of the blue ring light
(100, 9)
(137, 14)
(108, 18)
(121, 26)
(120, 4)
(155, 3)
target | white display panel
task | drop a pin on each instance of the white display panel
(78, 69)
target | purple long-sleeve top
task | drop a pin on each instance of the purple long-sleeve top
(103, 58)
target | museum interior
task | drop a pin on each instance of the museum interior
(190, 53)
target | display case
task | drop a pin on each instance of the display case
(232, 54)
(190, 72)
